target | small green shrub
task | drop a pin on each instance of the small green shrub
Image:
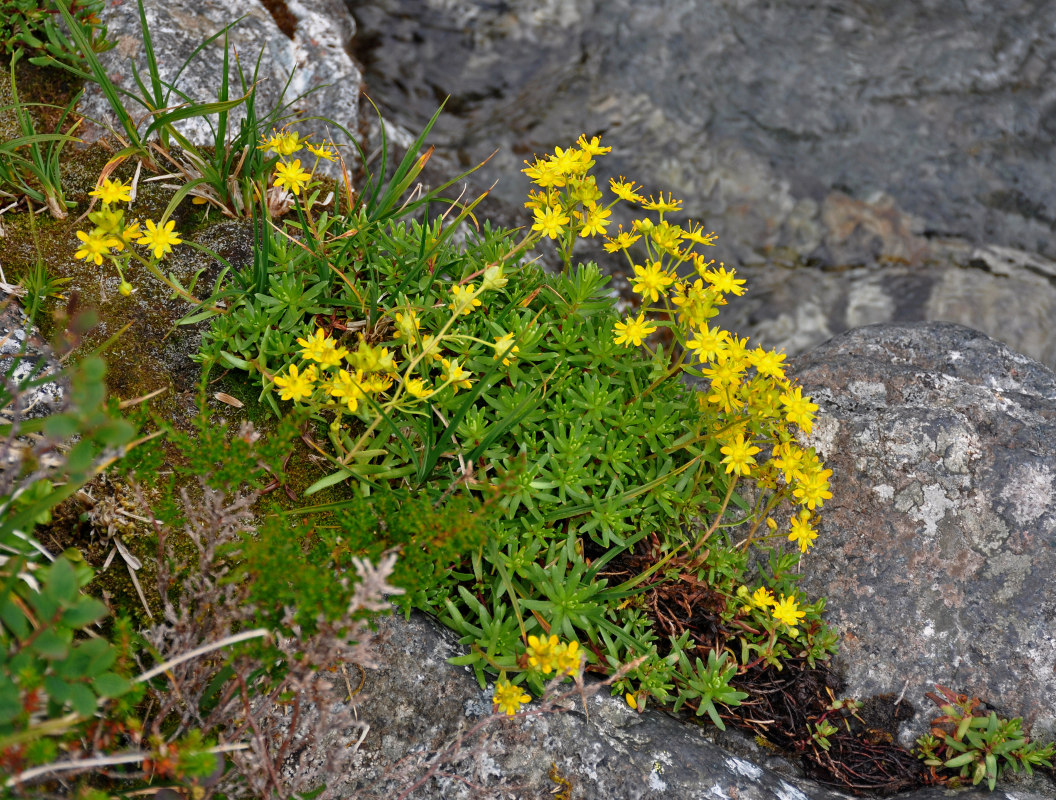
(455, 371)
(36, 26)
(976, 746)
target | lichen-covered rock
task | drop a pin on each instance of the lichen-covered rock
(938, 548)
(416, 705)
(315, 54)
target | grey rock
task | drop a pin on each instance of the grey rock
(1006, 293)
(416, 704)
(938, 549)
(316, 56)
(898, 156)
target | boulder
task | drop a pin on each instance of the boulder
(413, 705)
(938, 549)
(308, 39)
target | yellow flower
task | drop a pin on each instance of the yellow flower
(724, 281)
(767, 362)
(786, 611)
(160, 239)
(550, 221)
(652, 280)
(593, 146)
(595, 220)
(708, 343)
(321, 151)
(739, 456)
(568, 658)
(407, 326)
(570, 161)
(464, 299)
(633, 330)
(798, 409)
(377, 383)
(283, 144)
(128, 235)
(505, 349)
(455, 375)
(321, 349)
(112, 192)
(812, 488)
(416, 388)
(626, 190)
(95, 245)
(696, 234)
(622, 241)
(662, 205)
(536, 200)
(542, 653)
(803, 532)
(544, 174)
(508, 698)
(348, 387)
(763, 598)
(295, 386)
(125, 288)
(788, 458)
(291, 176)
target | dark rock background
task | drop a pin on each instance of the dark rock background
(861, 162)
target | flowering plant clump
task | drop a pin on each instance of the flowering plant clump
(113, 235)
(458, 371)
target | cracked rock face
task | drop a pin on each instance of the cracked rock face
(938, 549)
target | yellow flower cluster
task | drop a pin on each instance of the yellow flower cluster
(749, 403)
(335, 376)
(544, 655)
(786, 611)
(112, 232)
(550, 654)
(289, 174)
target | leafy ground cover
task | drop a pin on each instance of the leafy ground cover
(429, 417)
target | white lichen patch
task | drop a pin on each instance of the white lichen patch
(1029, 492)
(884, 491)
(787, 791)
(871, 392)
(927, 505)
(823, 436)
(655, 782)
(743, 768)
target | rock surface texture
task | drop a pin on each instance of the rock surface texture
(938, 549)
(416, 704)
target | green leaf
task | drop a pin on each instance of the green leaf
(83, 699)
(961, 760)
(10, 701)
(51, 645)
(61, 582)
(110, 684)
(330, 480)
